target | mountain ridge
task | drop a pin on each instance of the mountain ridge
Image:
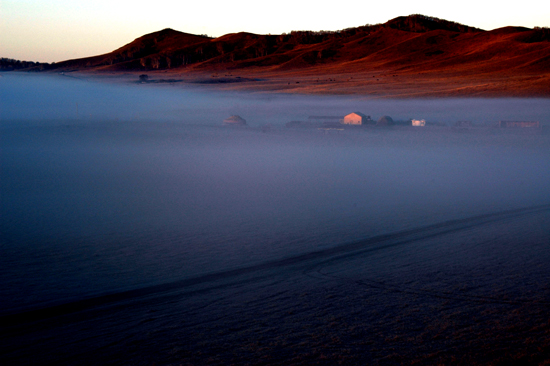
(422, 52)
(416, 35)
(167, 49)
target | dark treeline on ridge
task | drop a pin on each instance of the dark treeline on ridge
(169, 49)
(8, 64)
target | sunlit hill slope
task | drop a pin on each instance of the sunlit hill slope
(430, 55)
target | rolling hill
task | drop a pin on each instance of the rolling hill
(404, 56)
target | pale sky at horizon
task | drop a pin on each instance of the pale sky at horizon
(58, 30)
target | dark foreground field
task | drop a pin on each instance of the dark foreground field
(471, 291)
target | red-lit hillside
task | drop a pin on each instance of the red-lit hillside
(407, 56)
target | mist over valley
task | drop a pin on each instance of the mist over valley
(136, 228)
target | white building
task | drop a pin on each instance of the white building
(356, 118)
(419, 122)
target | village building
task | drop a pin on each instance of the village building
(385, 121)
(355, 118)
(418, 122)
(234, 121)
(519, 124)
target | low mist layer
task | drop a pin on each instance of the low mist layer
(42, 97)
(138, 198)
(91, 162)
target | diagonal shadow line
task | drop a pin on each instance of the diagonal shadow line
(387, 240)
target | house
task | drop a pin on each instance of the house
(234, 121)
(519, 124)
(355, 118)
(385, 121)
(418, 122)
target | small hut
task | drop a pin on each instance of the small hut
(355, 118)
(418, 122)
(234, 121)
(385, 121)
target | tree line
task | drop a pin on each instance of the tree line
(9, 64)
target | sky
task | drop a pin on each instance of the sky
(58, 30)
